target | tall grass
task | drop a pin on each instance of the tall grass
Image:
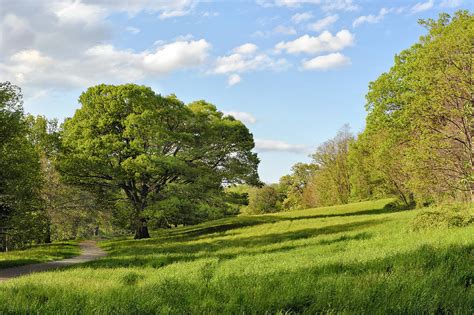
(357, 258)
(39, 254)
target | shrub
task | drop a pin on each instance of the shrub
(445, 216)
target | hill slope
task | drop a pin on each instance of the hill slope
(353, 258)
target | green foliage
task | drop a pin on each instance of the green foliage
(265, 199)
(21, 207)
(418, 137)
(292, 186)
(354, 258)
(132, 143)
(71, 212)
(332, 180)
(443, 216)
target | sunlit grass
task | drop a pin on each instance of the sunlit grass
(359, 258)
(39, 254)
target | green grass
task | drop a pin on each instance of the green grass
(39, 254)
(357, 258)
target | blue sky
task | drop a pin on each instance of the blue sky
(294, 71)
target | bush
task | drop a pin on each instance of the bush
(446, 216)
(263, 200)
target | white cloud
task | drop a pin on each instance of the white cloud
(370, 18)
(177, 55)
(323, 23)
(285, 30)
(78, 12)
(242, 116)
(245, 59)
(343, 5)
(325, 42)
(301, 17)
(240, 63)
(245, 49)
(325, 5)
(133, 30)
(422, 6)
(166, 8)
(101, 63)
(234, 79)
(334, 60)
(450, 3)
(264, 145)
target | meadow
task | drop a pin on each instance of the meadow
(39, 253)
(356, 258)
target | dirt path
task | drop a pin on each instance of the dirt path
(89, 251)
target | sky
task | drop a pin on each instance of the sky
(294, 71)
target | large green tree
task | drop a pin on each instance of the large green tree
(21, 207)
(418, 138)
(130, 141)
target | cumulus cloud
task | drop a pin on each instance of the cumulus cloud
(301, 17)
(422, 6)
(245, 49)
(325, 42)
(265, 145)
(244, 59)
(61, 44)
(242, 116)
(323, 23)
(330, 61)
(233, 79)
(102, 63)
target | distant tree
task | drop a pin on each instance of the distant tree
(332, 179)
(263, 200)
(293, 186)
(128, 140)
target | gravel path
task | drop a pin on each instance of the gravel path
(89, 251)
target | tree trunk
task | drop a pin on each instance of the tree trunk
(47, 238)
(141, 230)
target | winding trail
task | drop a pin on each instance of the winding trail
(89, 251)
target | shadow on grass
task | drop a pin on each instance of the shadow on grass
(38, 254)
(224, 225)
(162, 254)
(424, 280)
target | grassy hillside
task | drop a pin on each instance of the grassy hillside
(354, 258)
(39, 254)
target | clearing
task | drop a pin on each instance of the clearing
(354, 258)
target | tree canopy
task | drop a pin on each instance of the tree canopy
(129, 140)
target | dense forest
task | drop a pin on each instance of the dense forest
(130, 159)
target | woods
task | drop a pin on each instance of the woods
(128, 157)
(417, 143)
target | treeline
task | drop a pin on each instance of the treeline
(417, 143)
(128, 159)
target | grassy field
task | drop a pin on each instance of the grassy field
(39, 254)
(356, 258)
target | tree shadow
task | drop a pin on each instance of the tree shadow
(383, 210)
(163, 254)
